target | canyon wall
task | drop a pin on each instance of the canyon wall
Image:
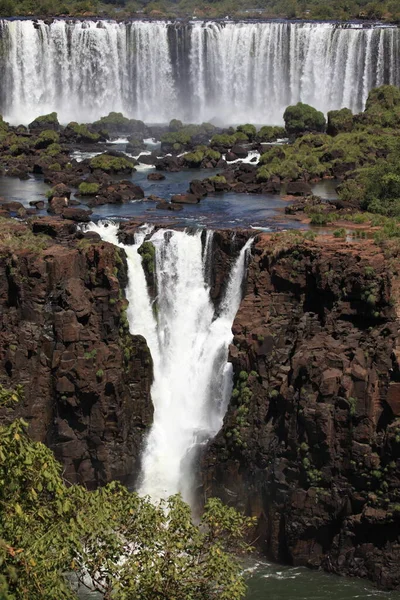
(64, 337)
(311, 440)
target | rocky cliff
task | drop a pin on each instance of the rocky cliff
(64, 337)
(311, 440)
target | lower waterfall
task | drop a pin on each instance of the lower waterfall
(188, 339)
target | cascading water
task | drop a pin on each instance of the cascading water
(189, 341)
(155, 71)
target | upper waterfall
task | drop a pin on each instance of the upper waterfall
(155, 71)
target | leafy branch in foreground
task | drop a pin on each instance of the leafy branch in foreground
(53, 536)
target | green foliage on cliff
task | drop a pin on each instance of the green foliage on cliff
(53, 536)
(148, 254)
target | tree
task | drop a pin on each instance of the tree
(51, 535)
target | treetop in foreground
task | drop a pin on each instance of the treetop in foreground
(53, 537)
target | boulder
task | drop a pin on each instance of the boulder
(164, 205)
(155, 176)
(76, 214)
(298, 188)
(57, 204)
(184, 199)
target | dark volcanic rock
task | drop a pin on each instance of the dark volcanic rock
(164, 205)
(310, 442)
(64, 338)
(184, 199)
(298, 188)
(77, 214)
(155, 176)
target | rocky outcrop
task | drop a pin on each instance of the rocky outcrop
(311, 440)
(64, 337)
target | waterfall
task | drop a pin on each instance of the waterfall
(189, 340)
(155, 71)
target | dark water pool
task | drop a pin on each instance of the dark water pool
(273, 582)
(219, 210)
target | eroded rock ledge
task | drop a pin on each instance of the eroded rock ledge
(311, 440)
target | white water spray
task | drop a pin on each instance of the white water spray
(155, 71)
(189, 342)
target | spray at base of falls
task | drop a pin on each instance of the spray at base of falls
(189, 341)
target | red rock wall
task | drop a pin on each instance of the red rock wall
(311, 440)
(64, 337)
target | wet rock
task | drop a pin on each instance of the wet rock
(184, 199)
(77, 214)
(164, 205)
(155, 176)
(298, 188)
(57, 204)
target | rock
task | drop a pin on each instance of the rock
(298, 188)
(322, 418)
(184, 199)
(38, 204)
(61, 190)
(57, 205)
(17, 172)
(198, 188)
(303, 203)
(13, 207)
(61, 326)
(163, 205)
(77, 214)
(146, 159)
(155, 176)
(239, 151)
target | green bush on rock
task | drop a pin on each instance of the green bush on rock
(340, 121)
(303, 117)
(111, 164)
(88, 189)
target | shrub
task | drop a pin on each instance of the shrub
(111, 164)
(339, 121)
(302, 117)
(271, 134)
(248, 129)
(88, 189)
(47, 137)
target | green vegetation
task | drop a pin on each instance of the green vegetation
(116, 123)
(201, 153)
(302, 117)
(339, 121)
(51, 533)
(18, 236)
(148, 253)
(44, 120)
(270, 134)
(218, 179)
(111, 164)
(88, 189)
(47, 137)
(82, 133)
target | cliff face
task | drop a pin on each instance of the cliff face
(311, 440)
(64, 336)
